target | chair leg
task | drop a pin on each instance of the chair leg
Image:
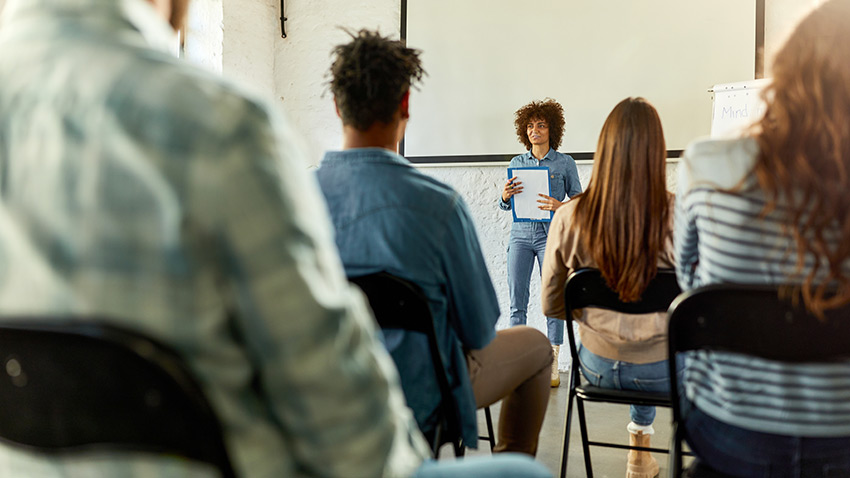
(675, 458)
(437, 441)
(491, 437)
(459, 448)
(567, 422)
(583, 428)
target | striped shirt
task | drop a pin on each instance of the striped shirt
(721, 238)
(168, 199)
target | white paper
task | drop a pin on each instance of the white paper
(534, 182)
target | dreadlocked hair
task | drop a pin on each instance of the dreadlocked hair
(369, 77)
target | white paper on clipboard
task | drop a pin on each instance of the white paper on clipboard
(534, 181)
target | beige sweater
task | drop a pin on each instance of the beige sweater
(629, 338)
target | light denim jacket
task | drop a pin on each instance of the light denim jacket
(389, 216)
(563, 181)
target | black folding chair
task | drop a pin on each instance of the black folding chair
(752, 320)
(400, 304)
(74, 387)
(587, 288)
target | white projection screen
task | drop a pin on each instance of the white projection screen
(486, 58)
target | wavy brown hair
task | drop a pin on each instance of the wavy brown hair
(804, 158)
(624, 212)
(547, 110)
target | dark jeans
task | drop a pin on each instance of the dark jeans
(743, 453)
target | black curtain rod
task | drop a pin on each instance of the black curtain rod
(282, 19)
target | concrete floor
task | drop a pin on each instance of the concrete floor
(605, 422)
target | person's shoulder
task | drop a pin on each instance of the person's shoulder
(517, 160)
(431, 186)
(723, 163)
(390, 171)
(198, 100)
(564, 157)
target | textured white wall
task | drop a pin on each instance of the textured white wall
(250, 28)
(236, 38)
(204, 32)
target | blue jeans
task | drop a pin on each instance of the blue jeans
(524, 247)
(502, 465)
(647, 377)
(739, 452)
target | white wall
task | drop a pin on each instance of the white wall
(204, 32)
(250, 28)
(235, 37)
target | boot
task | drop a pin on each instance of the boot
(641, 463)
(556, 376)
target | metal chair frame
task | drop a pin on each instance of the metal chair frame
(400, 304)
(587, 288)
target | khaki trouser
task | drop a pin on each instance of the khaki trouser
(514, 368)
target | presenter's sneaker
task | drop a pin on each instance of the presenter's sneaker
(641, 464)
(556, 376)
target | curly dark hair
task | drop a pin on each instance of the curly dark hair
(369, 77)
(549, 111)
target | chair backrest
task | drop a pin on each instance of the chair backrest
(73, 386)
(587, 288)
(757, 320)
(401, 304)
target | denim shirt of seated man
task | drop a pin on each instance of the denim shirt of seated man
(390, 217)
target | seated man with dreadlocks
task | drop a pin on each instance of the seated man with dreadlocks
(391, 217)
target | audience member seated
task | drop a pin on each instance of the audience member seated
(773, 208)
(391, 217)
(168, 201)
(621, 225)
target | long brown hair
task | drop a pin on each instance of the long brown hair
(804, 140)
(624, 212)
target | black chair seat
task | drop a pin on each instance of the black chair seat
(78, 386)
(592, 393)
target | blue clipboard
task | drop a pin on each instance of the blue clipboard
(548, 193)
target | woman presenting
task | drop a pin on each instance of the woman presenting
(539, 127)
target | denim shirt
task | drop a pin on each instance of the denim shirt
(563, 181)
(390, 217)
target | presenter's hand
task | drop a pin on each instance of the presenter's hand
(511, 187)
(548, 203)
